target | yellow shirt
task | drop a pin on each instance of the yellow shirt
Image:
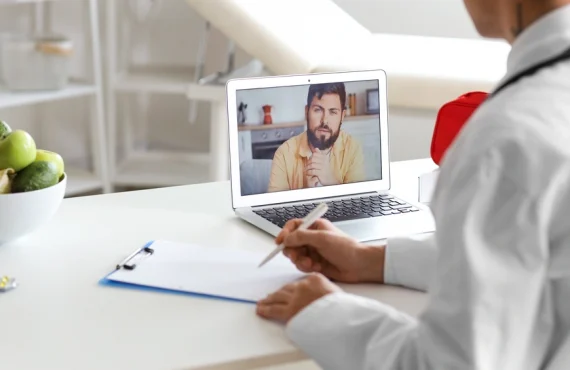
(290, 159)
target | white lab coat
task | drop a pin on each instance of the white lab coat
(499, 263)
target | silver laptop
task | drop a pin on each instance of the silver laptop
(297, 141)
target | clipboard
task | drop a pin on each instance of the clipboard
(209, 272)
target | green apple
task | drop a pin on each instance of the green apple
(17, 150)
(4, 129)
(47, 156)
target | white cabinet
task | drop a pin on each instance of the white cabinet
(411, 131)
(245, 146)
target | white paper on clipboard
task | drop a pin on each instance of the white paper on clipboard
(219, 272)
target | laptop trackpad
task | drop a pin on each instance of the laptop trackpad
(379, 228)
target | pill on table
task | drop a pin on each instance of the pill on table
(7, 283)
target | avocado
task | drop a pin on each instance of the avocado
(4, 129)
(38, 175)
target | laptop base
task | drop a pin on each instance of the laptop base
(362, 229)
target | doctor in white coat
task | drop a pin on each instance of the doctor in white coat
(499, 262)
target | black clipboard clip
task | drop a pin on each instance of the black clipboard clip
(129, 263)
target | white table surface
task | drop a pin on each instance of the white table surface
(60, 318)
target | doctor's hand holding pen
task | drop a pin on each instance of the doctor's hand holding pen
(326, 252)
(325, 249)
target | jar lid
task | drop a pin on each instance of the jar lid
(53, 44)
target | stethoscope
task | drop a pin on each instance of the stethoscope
(531, 71)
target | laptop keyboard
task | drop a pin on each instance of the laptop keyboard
(341, 210)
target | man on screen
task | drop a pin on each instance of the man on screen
(323, 155)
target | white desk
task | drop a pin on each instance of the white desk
(60, 318)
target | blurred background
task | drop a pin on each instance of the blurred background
(125, 66)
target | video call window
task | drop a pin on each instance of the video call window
(307, 136)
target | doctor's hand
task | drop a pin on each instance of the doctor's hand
(287, 302)
(319, 166)
(325, 249)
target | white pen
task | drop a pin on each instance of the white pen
(308, 220)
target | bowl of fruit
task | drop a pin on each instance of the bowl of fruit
(32, 184)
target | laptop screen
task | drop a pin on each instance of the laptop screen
(307, 136)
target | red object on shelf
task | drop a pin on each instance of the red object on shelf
(267, 120)
(450, 120)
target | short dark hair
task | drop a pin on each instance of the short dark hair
(319, 90)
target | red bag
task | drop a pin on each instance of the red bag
(450, 119)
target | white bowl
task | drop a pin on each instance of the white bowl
(22, 213)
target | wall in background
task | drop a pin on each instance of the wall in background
(441, 18)
(171, 38)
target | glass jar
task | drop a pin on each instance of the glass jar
(34, 63)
